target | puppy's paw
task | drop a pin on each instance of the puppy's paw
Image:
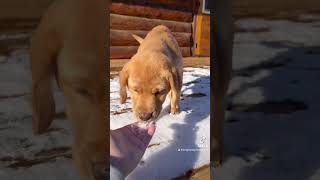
(174, 111)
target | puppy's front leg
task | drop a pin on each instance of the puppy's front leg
(175, 103)
(174, 93)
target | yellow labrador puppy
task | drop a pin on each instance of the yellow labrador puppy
(69, 44)
(223, 44)
(152, 73)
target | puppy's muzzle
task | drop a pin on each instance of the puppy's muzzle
(145, 116)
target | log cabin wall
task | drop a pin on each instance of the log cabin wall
(140, 16)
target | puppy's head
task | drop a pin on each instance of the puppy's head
(148, 83)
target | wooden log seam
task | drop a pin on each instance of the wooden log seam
(182, 5)
(122, 22)
(150, 12)
(123, 52)
(124, 38)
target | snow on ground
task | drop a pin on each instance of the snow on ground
(272, 129)
(181, 141)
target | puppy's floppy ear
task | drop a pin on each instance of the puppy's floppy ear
(138, 38)
(124, 75)
(42, 57)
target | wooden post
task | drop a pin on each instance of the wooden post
(202, 36)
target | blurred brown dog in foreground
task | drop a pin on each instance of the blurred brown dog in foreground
(153, 72)
(69, 44)
(223, 44)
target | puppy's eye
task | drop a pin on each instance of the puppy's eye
(135, 90)
(158, 92)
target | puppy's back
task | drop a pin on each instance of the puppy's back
(160, 38)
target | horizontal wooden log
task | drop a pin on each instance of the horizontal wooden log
(119, 52)
(117, 64)
(183, 5)
(186, 51)
(123, 52)
(150, 12)
(122, 22)
(124, 38)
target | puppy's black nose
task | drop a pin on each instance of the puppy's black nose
(145, 116)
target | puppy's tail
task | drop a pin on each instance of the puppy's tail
(138, 38)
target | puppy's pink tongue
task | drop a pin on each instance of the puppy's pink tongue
(151, 128)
